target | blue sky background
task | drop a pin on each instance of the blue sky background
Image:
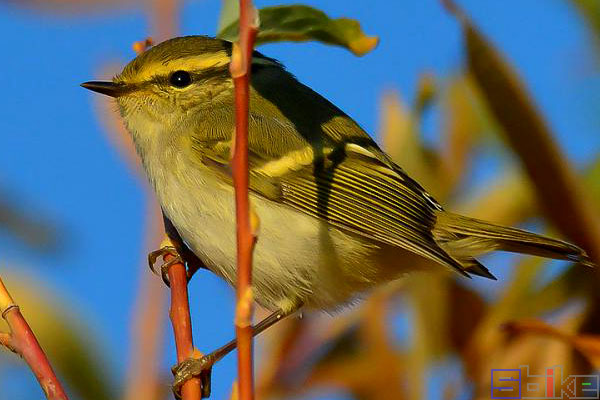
(57, 161)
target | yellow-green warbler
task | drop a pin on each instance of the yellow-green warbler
(337, 215)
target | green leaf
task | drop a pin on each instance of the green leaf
(230, 11)
(298, 23)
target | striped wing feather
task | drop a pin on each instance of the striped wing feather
(357, 193)
(370, 199)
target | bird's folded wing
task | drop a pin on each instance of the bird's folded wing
(350, 186)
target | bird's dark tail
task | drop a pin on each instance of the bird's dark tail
(465, 238)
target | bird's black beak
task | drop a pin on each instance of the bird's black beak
(108, 88)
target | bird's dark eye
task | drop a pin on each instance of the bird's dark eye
(180, 79)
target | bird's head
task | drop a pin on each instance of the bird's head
(170, 80)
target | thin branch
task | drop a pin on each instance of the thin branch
(22, 341)
(241, 61)
(182, 325)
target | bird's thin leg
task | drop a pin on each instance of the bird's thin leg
(153, 256)
(196, 366)
(164, 268)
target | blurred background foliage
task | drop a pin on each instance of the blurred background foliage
(455, 331)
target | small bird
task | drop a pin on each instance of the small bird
(337, 215)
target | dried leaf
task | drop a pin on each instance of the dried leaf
(521, 297)
(465, 314)
(351, 352)
(365, 362)
(493, 203)
(299, 23)
(280, 355)
(514, 352)
(461, 129)
(488, 336)
(559, 193)
(426, 93)
(401, 141)
(587, 345)
(396, 131)
(431, 304)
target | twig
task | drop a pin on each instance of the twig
(241, 61)
(22, 341)
(141, 46)
(6, 341)
(182, 325)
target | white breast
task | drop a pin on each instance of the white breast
(297, 258)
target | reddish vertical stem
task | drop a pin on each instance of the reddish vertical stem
(22, 341)
(182, 325)
(240, 71)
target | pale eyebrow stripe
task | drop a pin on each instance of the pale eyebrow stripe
(194, 64)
